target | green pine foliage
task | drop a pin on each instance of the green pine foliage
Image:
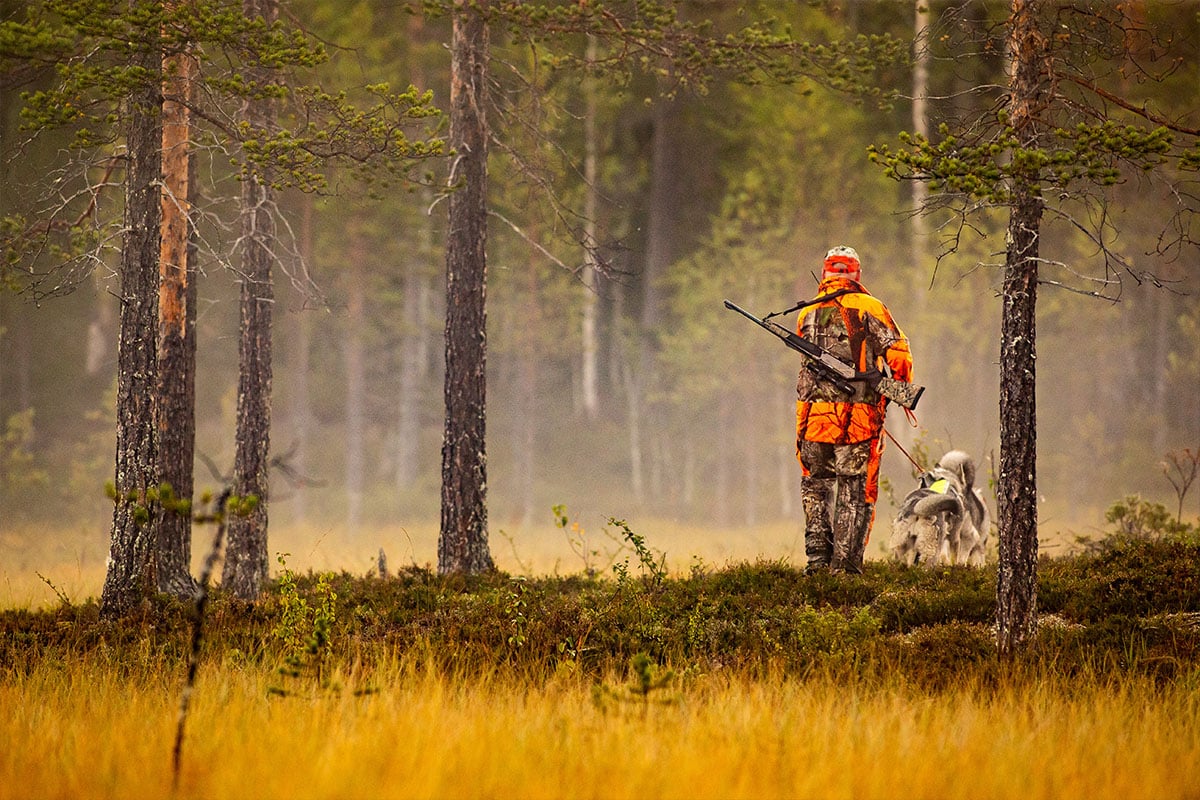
(80, 57)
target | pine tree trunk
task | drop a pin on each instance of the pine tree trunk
(130, 577)
(463, 540)
(246, 558)
(176, 397)
(1016, 589)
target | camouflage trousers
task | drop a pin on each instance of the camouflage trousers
(837, 517)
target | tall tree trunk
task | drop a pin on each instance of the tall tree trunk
(1016, 588)
(786, 460)
(417, 345)
(246, 565)
(633, 406)
(722, 481)
(920, 124)
(590, 276)
(463, 540)
(662, 245)
(414, 360)
(301, 350)
(528, 356)
(130, 577)
(176, 398)
(354, 357)
(526, 435)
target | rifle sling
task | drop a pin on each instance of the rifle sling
(814, 301)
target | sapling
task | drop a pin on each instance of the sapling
(224, 504)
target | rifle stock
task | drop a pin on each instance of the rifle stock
(836, 371)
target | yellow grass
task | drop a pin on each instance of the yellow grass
(86, 730)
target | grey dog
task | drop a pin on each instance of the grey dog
(945, 519)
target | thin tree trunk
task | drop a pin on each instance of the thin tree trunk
(414, 359)
(786, 461)
(130, 577)
(415, 348)
(633, 395)
(752, 473)
(662, 235)
(100, 332)
(301, 346)
(409, 390)
(527, 363)
(590, 276)
(463, 540)
(526, 435)
(246, 560)
(176, 398)
(354, 357)
(920, 125)
(1016, 588)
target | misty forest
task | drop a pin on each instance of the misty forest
(399, 328)
(363, 264)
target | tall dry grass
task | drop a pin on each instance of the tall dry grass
(94, 728)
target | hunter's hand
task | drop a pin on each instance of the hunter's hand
(872, 378)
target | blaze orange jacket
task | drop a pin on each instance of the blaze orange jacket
(857, 328)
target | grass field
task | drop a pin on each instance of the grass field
(885, 685)
(95, 730)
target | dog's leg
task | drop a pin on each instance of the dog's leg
(902, 545)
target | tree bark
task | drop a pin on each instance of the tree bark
(176, 396)
(246, 559)
(463, 540)
(1016, 588)
(130, 577)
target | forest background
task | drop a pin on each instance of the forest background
(734, 192)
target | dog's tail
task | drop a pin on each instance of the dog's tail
(934, 503)
(961, 464)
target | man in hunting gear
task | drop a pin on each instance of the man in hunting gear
(838, 436)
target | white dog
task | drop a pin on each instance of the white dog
(944, 520)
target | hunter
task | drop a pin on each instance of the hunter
(839, 436)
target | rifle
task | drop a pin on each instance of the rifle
(838, 372)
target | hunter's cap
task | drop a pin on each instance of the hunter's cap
(842, 260)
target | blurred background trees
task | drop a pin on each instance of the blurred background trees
(621, 385)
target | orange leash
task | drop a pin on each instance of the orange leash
(911, 460)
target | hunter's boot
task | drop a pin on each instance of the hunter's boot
(852, 520)
(818, 532)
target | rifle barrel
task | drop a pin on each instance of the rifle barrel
(899, 392)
